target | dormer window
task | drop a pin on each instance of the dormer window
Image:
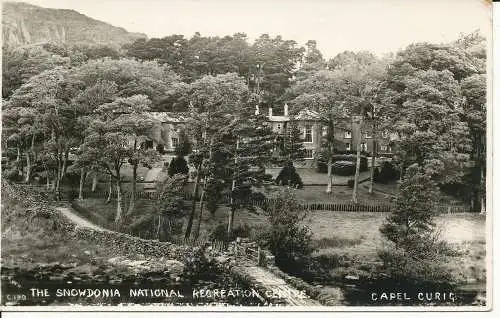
(347, 135)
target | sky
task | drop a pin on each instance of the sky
(379, 26)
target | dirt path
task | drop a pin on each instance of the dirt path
(79, 221)
(278, 287)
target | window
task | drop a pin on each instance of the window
(347, 135)
(308, 154)
(364, 146)
(308, 136)
(324, 131)
(383, 148)
(348, 146)
(368, 135)
(385, 134)
(175, 142)
(278, 126)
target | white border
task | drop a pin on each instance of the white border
(492, 179)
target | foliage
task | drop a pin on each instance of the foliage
(387, 173)
(287, 239)
(178, 165)
(220, 232)
(344, 168)
(184, 147)
(411, 230)
(288, 176)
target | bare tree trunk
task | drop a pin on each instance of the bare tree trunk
(205, 183)
(65, 161)
(48, 176)
(57, 188)
(82, 179)
(94, 181)
(118, 216)
(134, 182)
(372, 169)
(233, 187)
(483, 195)
(193, 209)
(358, 161)
(28, 167)
(134, 189)
(110, 189)
(18, 154)
(200, 214)
(330, 175)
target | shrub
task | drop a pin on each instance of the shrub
(344, 168)
(289, 176)
(287, 239)
(220, 232)
(12, 175)
(178, 165)
(322, 165)
(387, 174)
(417, 253)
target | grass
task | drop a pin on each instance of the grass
(339, 194)
(309, 176)
(43, 244)
(353, 236)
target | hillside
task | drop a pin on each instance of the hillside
(24, 23)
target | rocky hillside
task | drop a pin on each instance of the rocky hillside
(24, 23)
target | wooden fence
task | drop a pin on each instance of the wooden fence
(265, 203)
(216, 245)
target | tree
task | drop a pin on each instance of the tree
(412, 231)
(214, 99)
(21, 63)
(287, 238)
(178, 165)
(423, 104)
(48, 96)
(170, 207)
(361, 76)
(291, 149)
(110, 134)
(316, 90)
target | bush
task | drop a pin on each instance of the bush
(287, 238)
(178, 165)
(322, 166)
(387, 174)
(220, 232)
(12, 175)
(344, 168)
(289, 176)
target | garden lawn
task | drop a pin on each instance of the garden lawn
(309, 176)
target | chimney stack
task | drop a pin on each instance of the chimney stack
(270, 112)
(286, 110)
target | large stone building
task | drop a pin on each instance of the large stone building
(313, 129)
(309, 122)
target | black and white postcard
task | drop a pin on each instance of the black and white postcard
(216, 155)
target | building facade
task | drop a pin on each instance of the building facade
(312, 128)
